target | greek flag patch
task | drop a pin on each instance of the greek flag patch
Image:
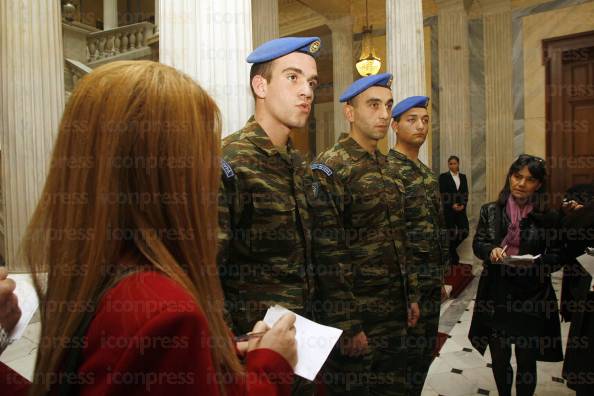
(316, 189)
(227, 169)
(322, 168)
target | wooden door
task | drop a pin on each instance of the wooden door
(570, 112)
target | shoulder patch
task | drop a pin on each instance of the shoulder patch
(322, 167)
(227, 169)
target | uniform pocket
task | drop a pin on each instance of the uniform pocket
(273, 227)
(367, 210)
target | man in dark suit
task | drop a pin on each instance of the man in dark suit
(453, 187)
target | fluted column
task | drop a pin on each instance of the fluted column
(264, 21)
(209, 40)
(342, 67)
(454, 113)
(405, 42)
(497, 33)
(110, 14)
(31, 104)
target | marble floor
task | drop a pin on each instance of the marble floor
(458, 371)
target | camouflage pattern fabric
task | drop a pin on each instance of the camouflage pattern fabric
(264, 228)
(429, 248)
(427, 233)
(369, 207)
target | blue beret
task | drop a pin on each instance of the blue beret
(409, 103)
(276, 48)
(378, 80)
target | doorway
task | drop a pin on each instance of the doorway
(570, 112)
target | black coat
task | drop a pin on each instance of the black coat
(451, 195)
(519, 302)
(577, 300)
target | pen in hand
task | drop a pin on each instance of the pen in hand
(248, 336)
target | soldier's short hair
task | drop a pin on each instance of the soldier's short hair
(263, 69)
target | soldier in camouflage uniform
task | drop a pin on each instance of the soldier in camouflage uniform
(426, 231)
(369, 209)
(267, 198)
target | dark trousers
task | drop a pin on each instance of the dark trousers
(458, 229)
(381, 372)
(500, 348)
(302, 387)
(422, 338)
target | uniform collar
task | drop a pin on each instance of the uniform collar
(419, 164)
(255, 134)
(356, 151)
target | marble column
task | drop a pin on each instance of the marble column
(342, 67)
(497, 33)
(454, 98)
(32, 92)
(110, 14)
(209, 40)
(264, 21)
(405, 41)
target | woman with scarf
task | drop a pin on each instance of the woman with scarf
(515, 303)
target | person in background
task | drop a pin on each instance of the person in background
(577, 299)
(453, 187)
(515, 303)
(369, 207)
(426, 232)
(139, 148)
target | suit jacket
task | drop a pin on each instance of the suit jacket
(451, 195)
(149, 324)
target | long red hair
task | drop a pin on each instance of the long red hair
(134, 171)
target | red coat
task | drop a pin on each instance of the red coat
(148, 336)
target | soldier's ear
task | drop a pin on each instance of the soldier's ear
(260, 86)
(348, 111)
(394, 126)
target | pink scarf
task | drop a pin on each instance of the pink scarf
(516, 214)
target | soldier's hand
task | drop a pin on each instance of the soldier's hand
(356, 345)
(10, 312)
(280, 338)
(413, 314)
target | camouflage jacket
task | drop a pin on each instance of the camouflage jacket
(266, 201)
(424, 216)
(370, 216)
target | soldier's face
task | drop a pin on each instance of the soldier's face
(290, 92)
(413, 127)
(369, 113)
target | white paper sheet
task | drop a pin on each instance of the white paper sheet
(28, 303)
(587, 262)
(520, 260)
(314, 341)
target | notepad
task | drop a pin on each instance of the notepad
(28, 303)
(314, 341)
(520, 260)
(587, 261)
